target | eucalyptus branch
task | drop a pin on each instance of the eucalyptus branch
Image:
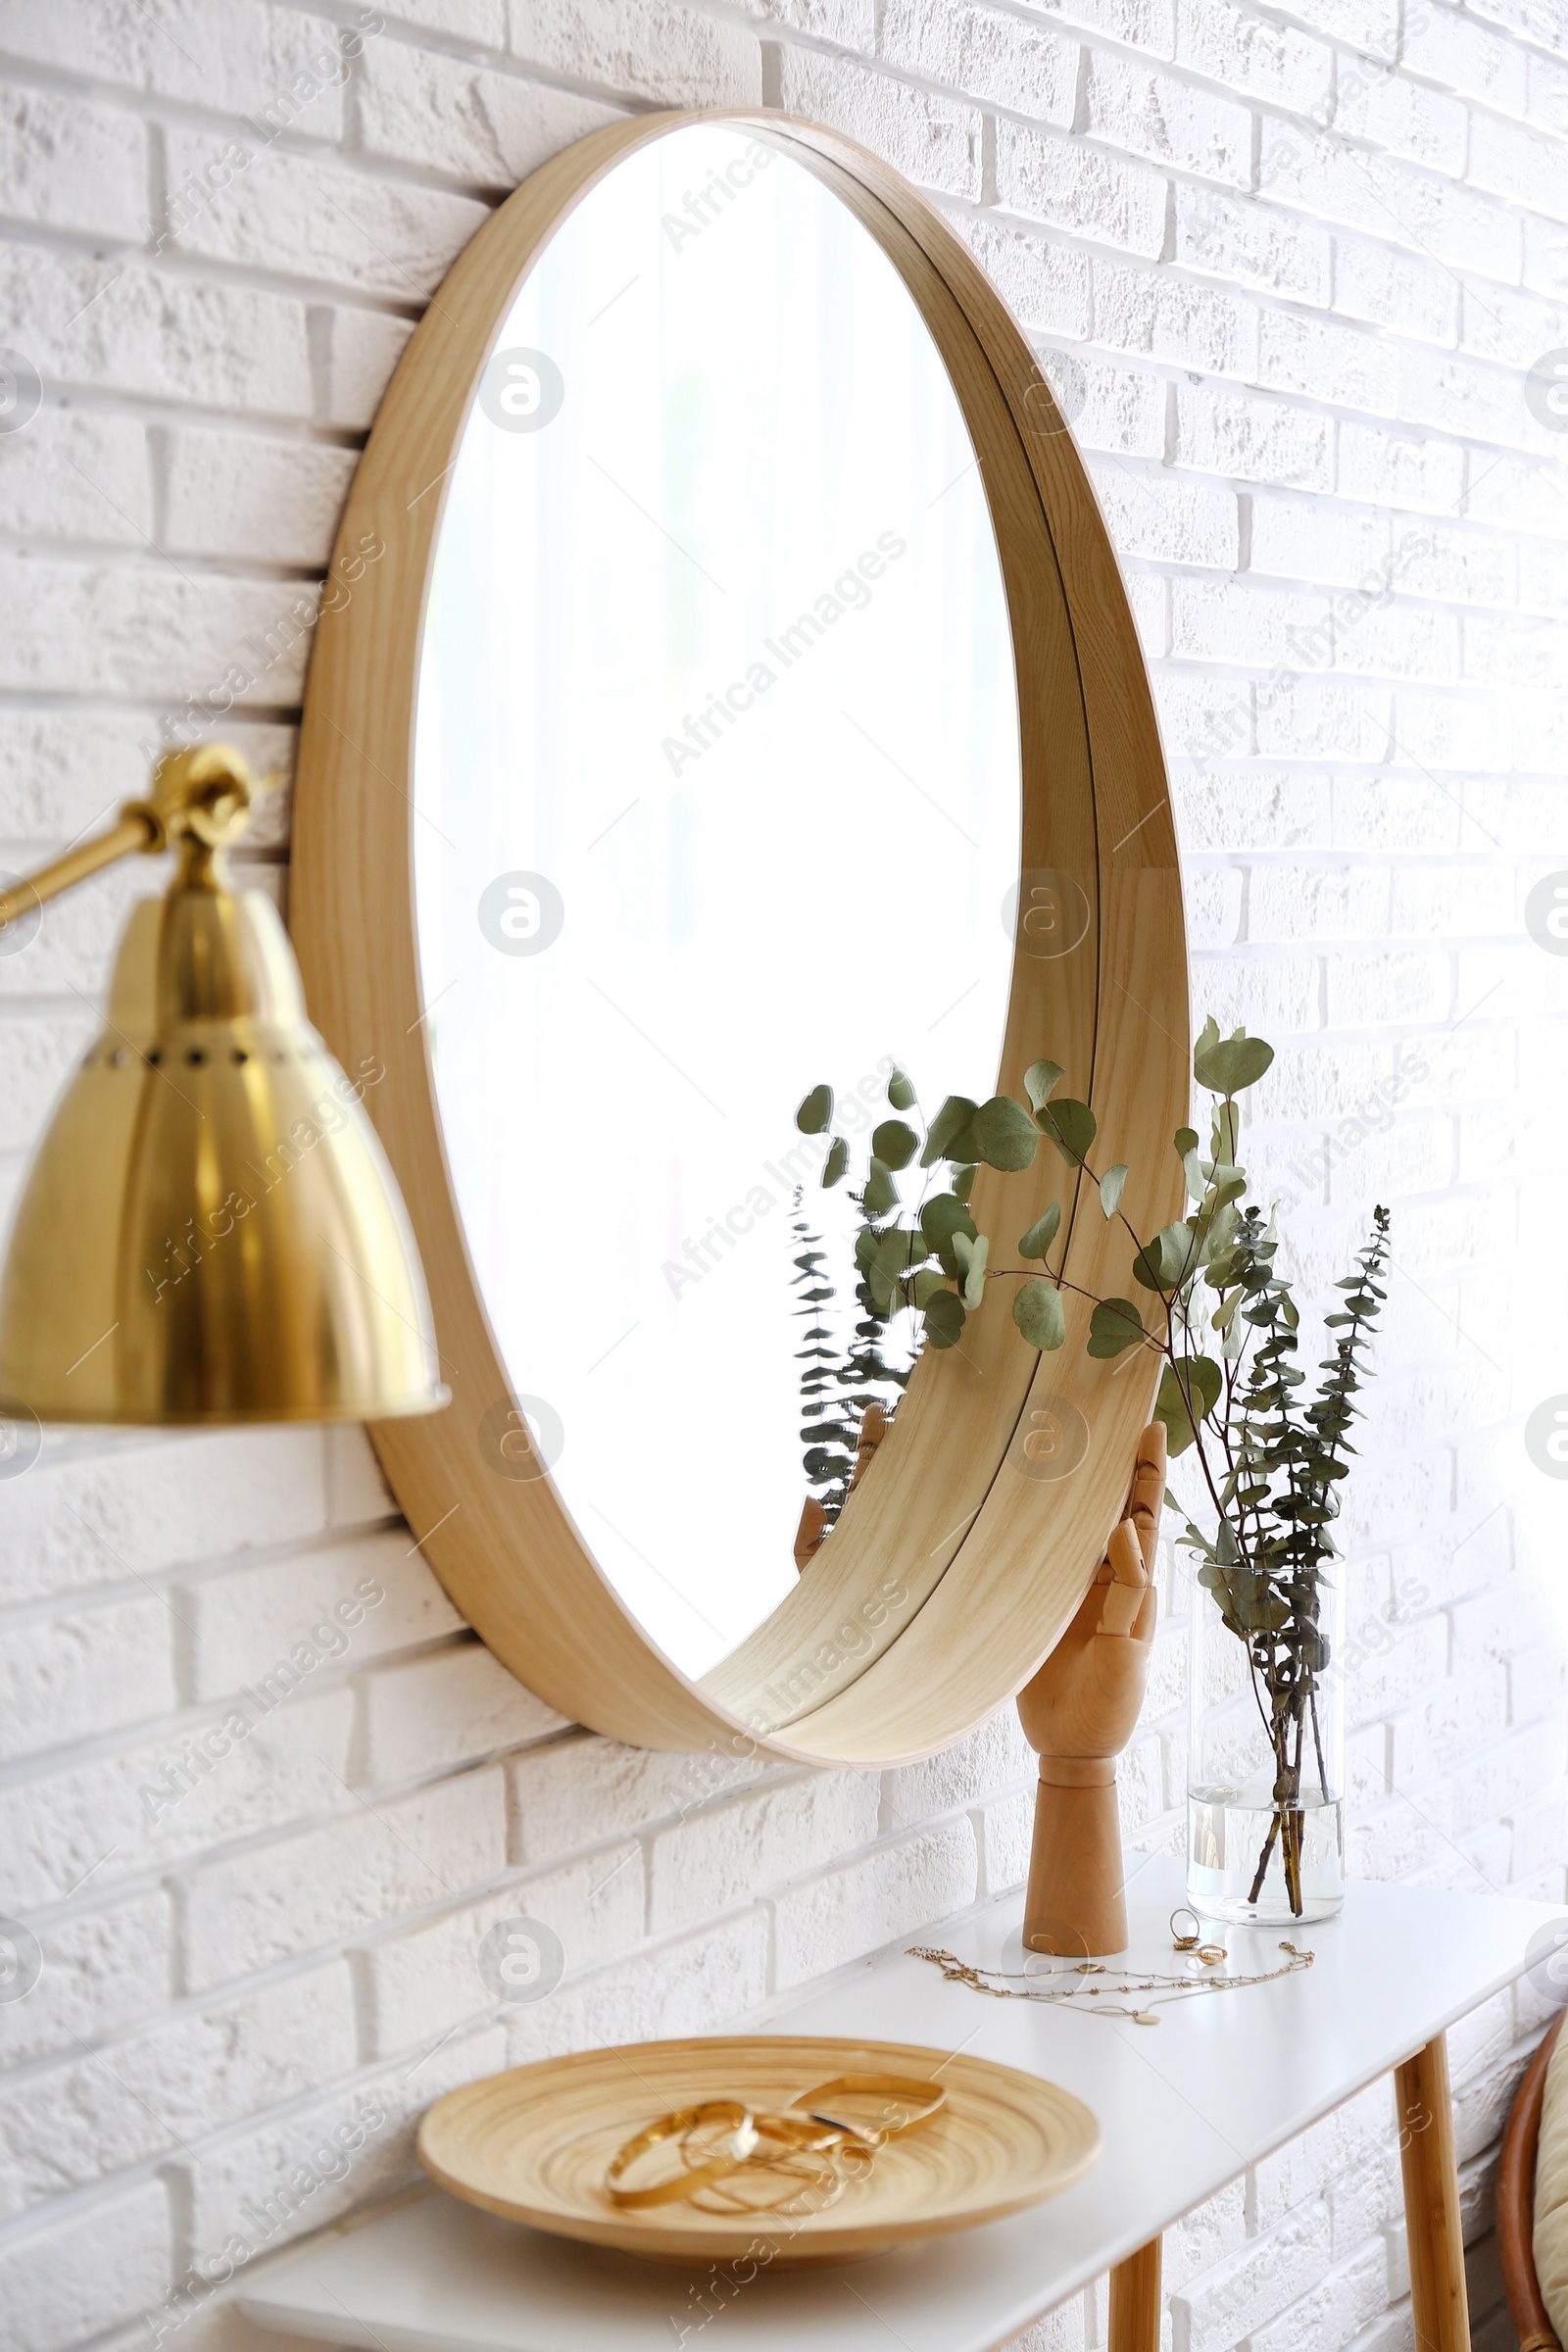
(1269, 1463)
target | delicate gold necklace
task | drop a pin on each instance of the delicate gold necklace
(1170, 1988)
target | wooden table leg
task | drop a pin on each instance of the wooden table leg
(1135, 2301)
(1438, 2299)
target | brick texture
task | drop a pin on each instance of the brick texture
(1304, 259)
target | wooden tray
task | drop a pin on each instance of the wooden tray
(533, 2144)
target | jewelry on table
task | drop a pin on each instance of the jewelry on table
(1170, 1988)
(727, 2150)
(1182, 1941)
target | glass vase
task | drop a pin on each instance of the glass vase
(1265, 1767)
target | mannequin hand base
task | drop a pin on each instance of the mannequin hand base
(1075, 1904)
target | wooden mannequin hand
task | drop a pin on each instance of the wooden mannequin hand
(1078, 1714)
(1085, 1698)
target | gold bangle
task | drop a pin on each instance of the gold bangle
(914, 2101)
(806, 2131)
(675, 2125)
(811, 2134)
(771, 2183)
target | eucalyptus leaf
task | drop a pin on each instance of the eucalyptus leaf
(1039, 1314)
(1042, 1233)
(865, 1248)
(1040, 1082)
(1225, 1185)
(1006, 1137)
(1221, 1231)
(897, 1248)
(944, 1319)
(1115, 1325)
(941, 1217)
(1315, 1650)
(962, 1181)
(926, 1284)
(1071, 1127)
(1166, 1262)
(1203, 1380)
(837, 1160)
(900, 1094)
(1110, 1188)
(815, 1115)
(971, 1256)
(1227, 1066)
(949, 1122)
(880, 1192)
(894, 1143)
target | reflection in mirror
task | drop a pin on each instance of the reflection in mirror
(718, 794)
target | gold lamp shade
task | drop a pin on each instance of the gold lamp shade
(209, 1230)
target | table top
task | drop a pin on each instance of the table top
(1183, 2107)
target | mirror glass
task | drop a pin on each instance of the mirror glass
(717, 798)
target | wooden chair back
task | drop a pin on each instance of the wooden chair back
(1516, 2205)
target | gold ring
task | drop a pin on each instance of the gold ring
(1184, 1943)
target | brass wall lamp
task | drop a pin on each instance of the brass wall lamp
(209, 1230)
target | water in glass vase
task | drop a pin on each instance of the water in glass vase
(1266, 1764)
(1238, 1855)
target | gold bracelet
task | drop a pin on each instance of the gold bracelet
(736, 2119)
(812, 2134)
(786, 2181)
(804, 2131)
(914, 2103)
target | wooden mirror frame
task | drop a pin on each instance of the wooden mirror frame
(952, 1573)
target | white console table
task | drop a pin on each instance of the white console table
(1184, 2107)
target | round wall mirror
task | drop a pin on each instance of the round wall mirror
(725, 690)
(716, 790)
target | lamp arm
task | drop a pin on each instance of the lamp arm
(201, 798)
(130, 833)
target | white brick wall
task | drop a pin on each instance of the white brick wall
(1304, 257)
